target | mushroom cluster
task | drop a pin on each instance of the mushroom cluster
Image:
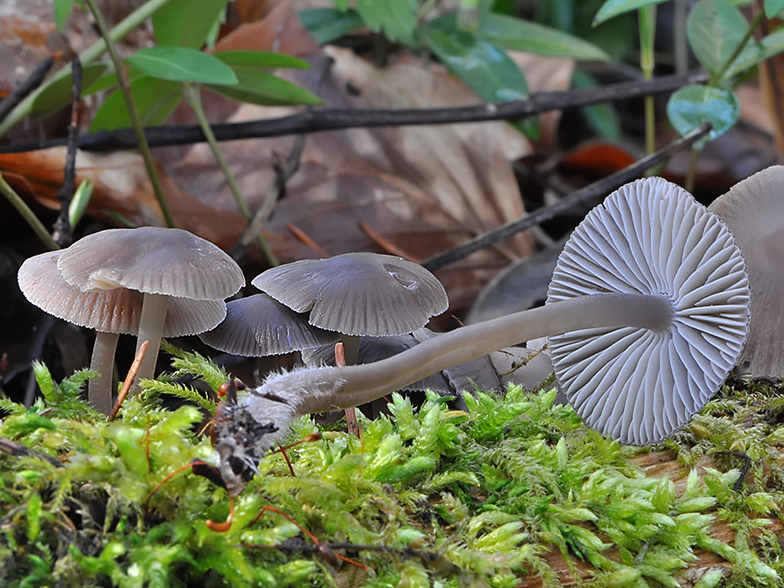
(149, 282)
(647, 313)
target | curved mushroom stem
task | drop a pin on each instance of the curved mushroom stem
(99, 390)
(150, 329)
(324, 389)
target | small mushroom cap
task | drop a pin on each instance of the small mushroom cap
(152, 260)
(651, 237)
(358, 293)
(754, 211)
(108, 311)
(259, 325)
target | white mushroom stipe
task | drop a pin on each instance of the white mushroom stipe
(651, 237)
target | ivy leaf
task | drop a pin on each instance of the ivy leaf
(395, 18)
(773, 7)
(59, 93)
(181, 64)
(260, 59)
(155, 100)
(258, 87)
(691, 105)
(328, 24)
(179, 23)
(613, 8)
(766, 48)
(715, 28)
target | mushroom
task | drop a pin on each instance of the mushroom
(754, 212)
(260, 326)
(159, 264)
(357, 294)
(110, 313)
(651, 295)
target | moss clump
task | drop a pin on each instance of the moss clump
(514, 491)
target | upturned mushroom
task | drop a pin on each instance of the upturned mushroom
(123, 281)
(754, 212)
(652, 299)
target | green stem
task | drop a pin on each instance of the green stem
(716, 78)
(191, 94)
(136, 122)
(647, 18)
(28, 215)
(89, 55)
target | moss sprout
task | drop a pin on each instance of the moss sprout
(513, 492)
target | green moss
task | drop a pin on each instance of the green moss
(438, 497)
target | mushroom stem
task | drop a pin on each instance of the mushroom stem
(99, 389)
(150, 329)
(324, 389)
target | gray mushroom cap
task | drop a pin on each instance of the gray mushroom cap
(151, 260)
(358, 293)
(108, 311)
(651, 237)
(754, 211)
(259, 325)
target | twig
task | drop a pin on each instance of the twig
(18, 450)
(133, 113)
(283, 171)
(32, 220)
(330, 119)
(137, 362)
(385, 244)
(305, 238)
(62, 227)
(19, 93)
(587, 195)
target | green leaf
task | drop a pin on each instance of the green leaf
(155, 100)
(521, 35)
(715, 28)
(691, 105)
(260, 59)
(59, 93)
(328, 24)
(62, 8)
(485, 68)
(613, 8)
(180, 64)
(771, 45)
(185, 23)
(395, 18)
(773, 7)
(258, 87)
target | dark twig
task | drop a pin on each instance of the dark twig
(62, 227)
(22, 90)
(18, 450)
(327, 119)
(743, 470)
(588, 195)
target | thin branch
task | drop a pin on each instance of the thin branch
(18, 450)
(326, 119)
(587, 195)
(23, 90)
(29, 216)
(62, 227)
